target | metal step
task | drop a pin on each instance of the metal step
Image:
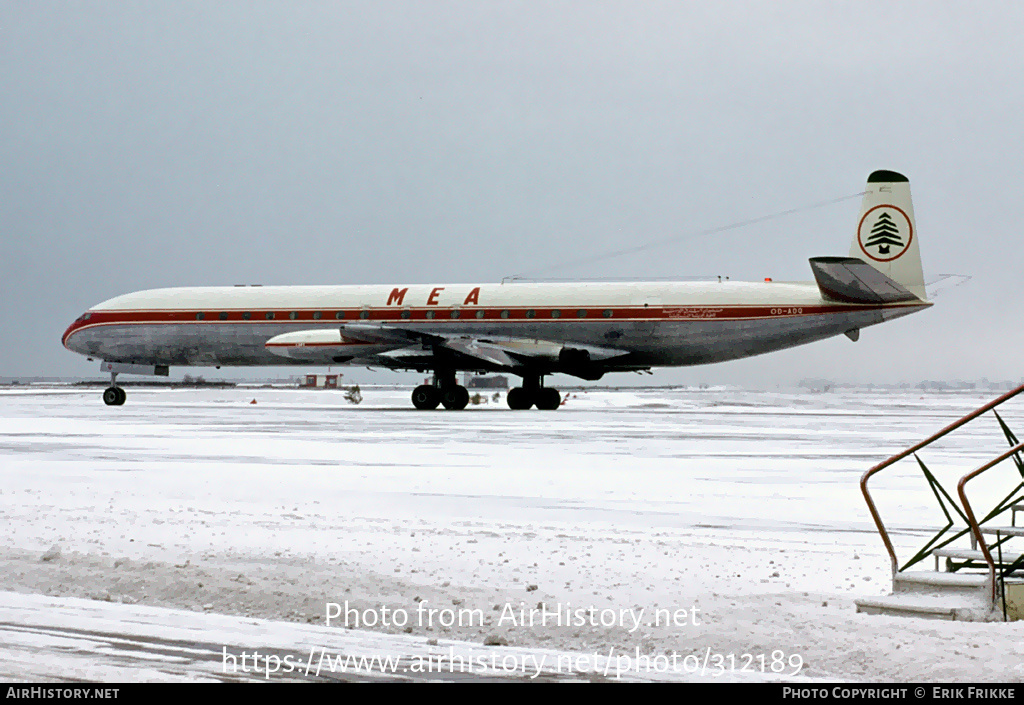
(935, 583)
(928, 607)
(1003, 530)
(967, 554)
(934, 595)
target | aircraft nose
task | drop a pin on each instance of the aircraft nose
(74, 327)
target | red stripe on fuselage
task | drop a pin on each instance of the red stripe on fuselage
(444, 315)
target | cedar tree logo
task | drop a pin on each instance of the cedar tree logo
(885, 233)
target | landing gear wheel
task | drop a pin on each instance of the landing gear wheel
(519, 399)
(548, 399)
(426, 397)
(455, 398)
(114, 396)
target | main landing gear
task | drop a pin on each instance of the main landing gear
(114, 395)
(534, 393)
(444, 391)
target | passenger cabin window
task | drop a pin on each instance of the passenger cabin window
(339, 315)
(247, 315)
(480, 314)
(270, 315)
(200, 316)
(505, 314)
(223, 315)
(364, 314)
(293, 315)
(406, 314)
(455, 313)
(555, 313)
(582, 313)
(607, 313)
(531, 313)
(317, 315)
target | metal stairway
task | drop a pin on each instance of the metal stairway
(978, 562)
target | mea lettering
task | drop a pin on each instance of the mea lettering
(397, 296)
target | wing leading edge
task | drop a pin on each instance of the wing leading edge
(396, 347)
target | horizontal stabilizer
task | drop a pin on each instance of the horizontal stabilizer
(852, 280)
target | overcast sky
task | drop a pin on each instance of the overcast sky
(165, 144)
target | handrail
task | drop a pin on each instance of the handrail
(909, 451)
(975, 527)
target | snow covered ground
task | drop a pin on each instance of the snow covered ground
(735, 516)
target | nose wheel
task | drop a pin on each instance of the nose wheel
(114, 396)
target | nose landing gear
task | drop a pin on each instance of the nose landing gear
(114, 395)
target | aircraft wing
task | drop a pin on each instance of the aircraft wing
(393, 346)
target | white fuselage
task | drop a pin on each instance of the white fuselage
(652, 324)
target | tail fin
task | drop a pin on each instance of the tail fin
(886, 235)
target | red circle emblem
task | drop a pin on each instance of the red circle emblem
(886, 235)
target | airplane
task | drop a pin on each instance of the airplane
(531, 330)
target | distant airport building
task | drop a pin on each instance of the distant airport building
(480, 382)
(319, 382)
